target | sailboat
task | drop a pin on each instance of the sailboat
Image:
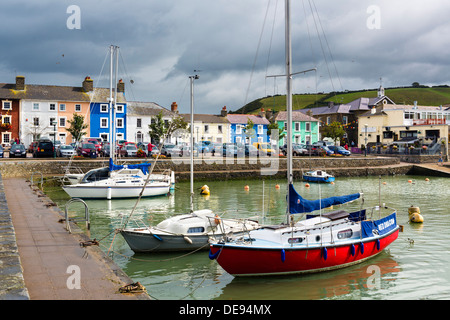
(118, 181)
(190, 231)
(317, 243)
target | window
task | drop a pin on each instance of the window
(119, 123)
(36, 121)
(119, 108)
(409, 115)
(103, 122)
(104, 108)
(285, 126)
(328, 120)
(238, 129)
(6, 137)
(35, 106)
(62, 107)
(6, 105)
(52, 121)
(219, 129)
(78, 108)
(345, 234)
(344, 120)
(260, 129)
(297, 126)
(307, 126)
(138, 123)
(52, 107)
(206, 128)
(6, 119)
(104, 136)
(62, 122)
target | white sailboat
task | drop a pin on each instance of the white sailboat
(190, 231)
(118, 181)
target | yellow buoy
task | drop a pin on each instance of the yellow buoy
(204, 190)
(414, 215)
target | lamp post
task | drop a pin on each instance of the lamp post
(53, 123)
(365, 141)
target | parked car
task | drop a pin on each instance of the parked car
(17, 150)
(170, 150)
(87, 150)
(264, 148)
(105, 152)
(247, 150)
(129, 150)
(65, 151)
(299, 150)
(229, 150)
(32, 146)
(325, 150)
(95, 142)
(44, 148)
(1, 152)
(340, 150)
(205, 146)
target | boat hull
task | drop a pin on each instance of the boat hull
(146, 243)
(318, 179)
(248, 261)
(115, 192)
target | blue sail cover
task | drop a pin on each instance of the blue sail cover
(297, 204)
(381, 226)
(143, 166)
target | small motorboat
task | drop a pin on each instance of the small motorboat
(318, 176)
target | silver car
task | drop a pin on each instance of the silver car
(66, 151)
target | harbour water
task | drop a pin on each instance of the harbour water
(415, 266)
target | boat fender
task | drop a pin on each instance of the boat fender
(187, 239)
(378, 244)
(157, 237)
(216, 219)
(283, 255)
(352, 250)
(362, 247)
(213, 256)
(325, 253)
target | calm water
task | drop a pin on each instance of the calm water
(416, 266)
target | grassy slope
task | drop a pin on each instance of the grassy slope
(434, 96)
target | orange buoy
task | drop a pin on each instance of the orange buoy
(426, 179)
(277, 186)
(410, 181)
(246, 188)
(307, 185)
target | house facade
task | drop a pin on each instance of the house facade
(208, 127)
(305, 129)
(10, 110)
(240, 134)
(404, 124)
(100, 116)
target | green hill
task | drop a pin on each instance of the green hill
(425, 96)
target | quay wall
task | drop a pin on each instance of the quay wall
(210, 168)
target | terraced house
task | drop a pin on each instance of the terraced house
(305, 129)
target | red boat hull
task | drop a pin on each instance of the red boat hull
(245, 261)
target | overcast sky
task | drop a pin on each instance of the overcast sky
(234, 44)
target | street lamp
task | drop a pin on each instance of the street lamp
(53, 123)
(365, 141)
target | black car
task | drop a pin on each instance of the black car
(18, 150)
(44, 149)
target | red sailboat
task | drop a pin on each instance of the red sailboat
(318, 243)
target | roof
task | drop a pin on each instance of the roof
(206, 118)
(243, 119)
(147, 109)
(56, 93)
(296, 116)
(390, 107)
(333, 109)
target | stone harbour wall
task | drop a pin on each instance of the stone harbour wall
(208, 168)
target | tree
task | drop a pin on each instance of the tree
(335, 131)
(249, 131)
(160, 128)
(274, 126)
(77, 126)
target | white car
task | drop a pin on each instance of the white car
(66, 151)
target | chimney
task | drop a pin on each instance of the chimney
(262, 113)
(20, 83)
(120, 86)
(88, 84)
(174, 107)
(224, 112)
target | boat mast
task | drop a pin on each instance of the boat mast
(288, 100)
(115, 101)
(192, 78)
(111, 148)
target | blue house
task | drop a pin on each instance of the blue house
(100, 115)
(239, 123)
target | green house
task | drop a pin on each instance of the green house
(305, 129)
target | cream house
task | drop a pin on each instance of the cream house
(208, 127)
(395, 124)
